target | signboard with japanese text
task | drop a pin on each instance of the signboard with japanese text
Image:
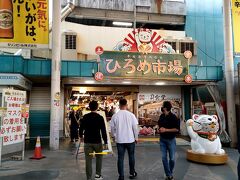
(13, 126)
(138, 65)
(236, 25)
(24, 24)
(150, 101)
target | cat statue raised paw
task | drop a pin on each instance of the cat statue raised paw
(203, 132)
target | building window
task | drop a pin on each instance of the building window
(173, 44)
(70, 42)
(187, 46)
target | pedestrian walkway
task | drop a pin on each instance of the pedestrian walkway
(62, 165)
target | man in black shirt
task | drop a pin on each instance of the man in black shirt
(74, 117)
(169, 126)
(92, 127)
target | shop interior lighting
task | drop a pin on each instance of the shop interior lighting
(126, 82)
(81, 95)
(89, 82)
(160, 83)
(117, 23)
(82, 90)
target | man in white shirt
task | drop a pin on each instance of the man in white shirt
(124, 128)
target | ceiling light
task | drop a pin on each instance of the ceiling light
(89, 82)
(160, 83)
(116, 23)
(81, 95)
(126, 82)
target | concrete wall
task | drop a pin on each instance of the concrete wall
(152, 6)
(88, 37)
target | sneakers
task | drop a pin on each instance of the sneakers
(98, 177)
(133, 176)
(169, 178)
(120, 178)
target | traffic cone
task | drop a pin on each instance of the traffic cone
(38, 151)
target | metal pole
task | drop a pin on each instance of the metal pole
(229, 73)
(64, 13)
(23, 151)
(55, 77)
(135, 15)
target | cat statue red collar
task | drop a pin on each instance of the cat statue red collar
(202, 130)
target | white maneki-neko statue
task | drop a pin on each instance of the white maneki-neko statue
(205, 142)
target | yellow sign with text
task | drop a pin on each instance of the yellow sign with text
(236, 24)
(24, 24)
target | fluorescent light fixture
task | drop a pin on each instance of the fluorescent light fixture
(89, 82)
(82, 90)
(81, 95)
(126, 82)
(117, 23)
(160, 83)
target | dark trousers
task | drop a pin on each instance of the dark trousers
(73, 133)
(90, 148)
(121, 148)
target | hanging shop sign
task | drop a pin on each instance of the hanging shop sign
(24, 24)
(236, 25)
(98, 76)
(138, 65)
(99, 50)
(188, 79)
(13, 127)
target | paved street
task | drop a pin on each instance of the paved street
(62, 165)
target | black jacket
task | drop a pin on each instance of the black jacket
(170, 121)
(93, 128)
(74, 120)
